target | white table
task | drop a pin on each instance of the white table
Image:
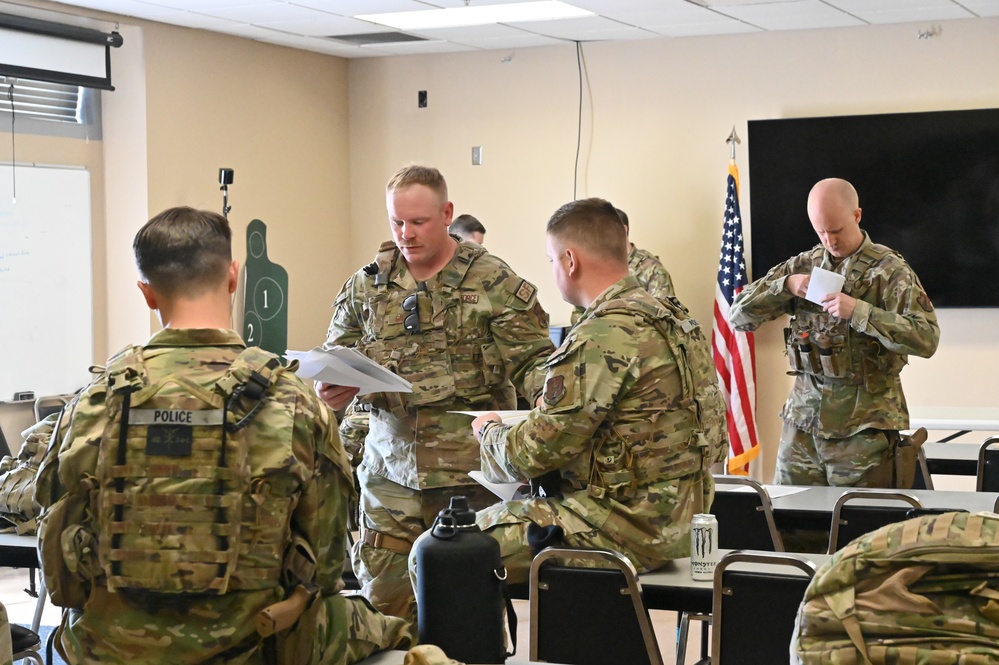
(814, 506)
(957, 419)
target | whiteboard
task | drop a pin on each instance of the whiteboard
(46, 280)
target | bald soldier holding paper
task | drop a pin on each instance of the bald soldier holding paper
(844, 413)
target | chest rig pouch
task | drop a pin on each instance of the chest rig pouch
(451, 354)
(174, 478)
(820, 344)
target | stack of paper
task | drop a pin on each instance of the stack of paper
(342, 366)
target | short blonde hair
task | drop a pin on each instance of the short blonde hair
(415, 174)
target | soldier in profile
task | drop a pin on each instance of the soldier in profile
(631, 415)
(843, 416)
(458, 323)
(195, 498)
(467, 227)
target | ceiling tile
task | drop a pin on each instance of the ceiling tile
(266, 13)
(588, 27)
(797, 14)
(352, 7)
(726, 26)
(324, 27)
(207, 4)
(415, 48)
(983, 7)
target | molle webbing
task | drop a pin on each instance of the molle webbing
(176, 513)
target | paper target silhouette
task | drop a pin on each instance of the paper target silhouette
(265, 296)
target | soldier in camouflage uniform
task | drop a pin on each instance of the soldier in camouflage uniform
(461, 326)
(631, 414)
(124, 574)
(645, 267)
(842, 418)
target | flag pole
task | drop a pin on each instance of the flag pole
(732, 139)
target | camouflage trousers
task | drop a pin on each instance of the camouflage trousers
(854, 461)
(508, 523)
(392, 517)
(334, 630)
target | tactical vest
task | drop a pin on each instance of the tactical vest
(919, 591)
(823, 345)
(177, 509)
(449, 357)
(677, 442)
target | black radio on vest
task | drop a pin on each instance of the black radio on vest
(461, 588)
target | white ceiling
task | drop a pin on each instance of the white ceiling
(314, 24)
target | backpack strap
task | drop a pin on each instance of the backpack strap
(251, 375)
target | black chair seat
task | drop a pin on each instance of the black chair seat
(22, 639)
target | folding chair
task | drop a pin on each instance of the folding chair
(15, 417)
(988, 466)
(755, 608)
(25, 644)
(852, 521)
(586, 615)
(49, 404)
(745, 521)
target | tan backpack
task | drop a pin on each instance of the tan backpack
(921, 592)
(18, 509)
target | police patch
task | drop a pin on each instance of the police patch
(470, 297)
(525, 291)
(554, 390)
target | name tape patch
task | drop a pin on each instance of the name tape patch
(207, 417)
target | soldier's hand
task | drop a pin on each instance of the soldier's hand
(839, 305)
(337, 397)
(482, 420)
(797, 285)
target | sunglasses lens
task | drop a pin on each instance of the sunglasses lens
(412, 322)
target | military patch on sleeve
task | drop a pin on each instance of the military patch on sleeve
(554, 390)
(525, 291)
(470, 297)
(924, 302)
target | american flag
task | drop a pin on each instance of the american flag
(734, 353)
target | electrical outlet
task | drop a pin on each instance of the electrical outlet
(421, 99)
(477, 155)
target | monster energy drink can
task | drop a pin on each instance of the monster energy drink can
(703, 546)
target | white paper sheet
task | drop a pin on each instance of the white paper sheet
(342, 366)
(505, 491)
(823, 282)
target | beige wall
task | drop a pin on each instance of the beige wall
(313, 139)
(656, 116)
(188, 102)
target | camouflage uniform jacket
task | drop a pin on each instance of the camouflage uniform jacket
(613, 420)
(481, 327)
(298, 460)
(650, 273)
(893, 318)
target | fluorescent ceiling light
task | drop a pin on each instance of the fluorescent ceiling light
(453, 17)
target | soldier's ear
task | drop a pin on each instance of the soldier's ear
(233, 276)
(148, 294)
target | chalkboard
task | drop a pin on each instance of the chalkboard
(46, 285)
